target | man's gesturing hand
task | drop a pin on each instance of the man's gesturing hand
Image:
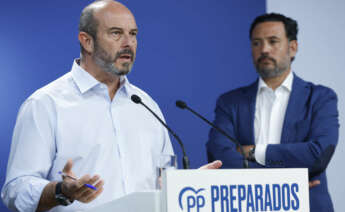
(76, 189)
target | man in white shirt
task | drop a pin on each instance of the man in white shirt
(84, 128)
(280, 120)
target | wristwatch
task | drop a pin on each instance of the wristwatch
(60, 197)
(251, 154)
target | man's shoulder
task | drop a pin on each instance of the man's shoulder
(54, 88)
(44, 99)
(316, 90)
(240, 93)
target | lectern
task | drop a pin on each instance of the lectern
(220, 191)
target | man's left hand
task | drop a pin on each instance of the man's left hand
(246, 149)
(214, 165)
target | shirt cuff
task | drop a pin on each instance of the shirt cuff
(260, 153)
(24, 193)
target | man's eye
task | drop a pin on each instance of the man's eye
(273, 41)
(134, 33)
(116, 32)
(255, 43)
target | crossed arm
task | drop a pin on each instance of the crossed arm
(308, 144)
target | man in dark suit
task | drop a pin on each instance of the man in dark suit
(281, 120)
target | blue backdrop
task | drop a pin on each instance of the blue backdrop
(187, 49)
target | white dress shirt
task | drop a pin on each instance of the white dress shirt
(270, 111)
(74, 117)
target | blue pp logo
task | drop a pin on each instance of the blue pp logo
(192, 198)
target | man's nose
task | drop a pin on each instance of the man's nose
(127, 40)
(265, 48)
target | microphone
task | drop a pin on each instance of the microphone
(183, 105)
(185, 161)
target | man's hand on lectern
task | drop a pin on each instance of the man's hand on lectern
(214, 165)
(314, 183)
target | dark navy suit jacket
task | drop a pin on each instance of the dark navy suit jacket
(310, 129)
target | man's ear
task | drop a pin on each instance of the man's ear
(86, 41)
(293, 47)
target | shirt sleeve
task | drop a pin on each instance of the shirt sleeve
(260, 153)
(32, 152)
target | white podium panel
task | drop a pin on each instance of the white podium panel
(235, 190)
(136, 202)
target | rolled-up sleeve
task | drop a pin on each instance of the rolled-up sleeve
(32, 152)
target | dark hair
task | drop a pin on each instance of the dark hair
(88, 24)
(291, 27)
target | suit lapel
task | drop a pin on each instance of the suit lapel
(249, 110)
(298, 96)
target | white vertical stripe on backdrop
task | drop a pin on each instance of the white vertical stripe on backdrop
(321, 59)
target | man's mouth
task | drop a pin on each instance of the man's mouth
(126, 56)
(266, 60)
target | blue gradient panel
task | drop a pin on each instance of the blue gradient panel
(188, 50)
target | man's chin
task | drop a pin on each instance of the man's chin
(269, 73)
(120, 71)
(123, 73)
(125, 69)
(117, 72)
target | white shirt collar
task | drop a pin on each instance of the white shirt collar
(287, 83)
(86, 81)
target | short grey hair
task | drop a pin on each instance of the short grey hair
(88, 24)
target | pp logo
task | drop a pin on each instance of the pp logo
(192, 198)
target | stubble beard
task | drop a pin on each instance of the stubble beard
(277, 70)
(107, 63)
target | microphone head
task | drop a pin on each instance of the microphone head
(181, 104)
(136, 99)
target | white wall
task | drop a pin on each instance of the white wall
(321, 59)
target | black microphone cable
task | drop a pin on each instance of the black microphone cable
(185, 161)
(183, 105)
